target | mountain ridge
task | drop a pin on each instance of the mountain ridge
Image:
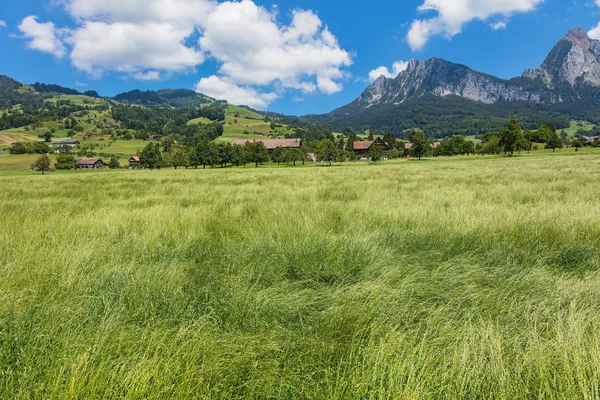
(566, 85)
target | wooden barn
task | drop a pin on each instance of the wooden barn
(91, 163)
(362, 148)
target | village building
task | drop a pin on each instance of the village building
(273, 144)
(91, 163)
(362, 148)
(589, 139)
(407, 147)
(66, 143)
(134, 162)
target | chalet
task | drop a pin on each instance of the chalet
(589, 139)
(90, 163)
(274, 144)
(66, 143)
(362, 148)
(407, 147)
(134, 162)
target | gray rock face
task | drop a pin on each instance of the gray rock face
(443, 79)
(575, 61)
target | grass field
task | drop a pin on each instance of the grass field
(462, 278)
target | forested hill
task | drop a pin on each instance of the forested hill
(446, 116)
(165, 98)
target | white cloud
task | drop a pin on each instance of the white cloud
(595, 32)
(131, 48)
(147, 76)
(254, 53)
(81, 84)
(2, 24)
(255, 50)
(224, 88)
(452, 15)
(184, 13)
(397, 67)
(42, 36)
(499, 25)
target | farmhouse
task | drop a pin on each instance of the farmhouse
(362, 148)
(66, 143)
(589, 139)
(273, 144)
(134, 162)
(90, 163)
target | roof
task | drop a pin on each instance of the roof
(272, 144)
(363, 145)
(408, 146)
(88, 161)
(367, 144)
(134, 158)
(59, 142)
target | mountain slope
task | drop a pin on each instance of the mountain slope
(450, 98)
(178, 98)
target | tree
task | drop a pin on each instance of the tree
(47, 136)
(371, 137)
(564, 137)
(375, 152)
(279, 155)
(114, 163)
(179, 157)
(350, 142)
(420, 144)
(204, 153)
(296, 155)
(151, 157)
(257, 152)
(238, 155)
(65, 162)
(510, 137)
(224, 151)
(326, 151)
(42, 164)
(554, 142)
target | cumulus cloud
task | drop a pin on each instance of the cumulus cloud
(225, 88)
(498, 25)
(2, 24)
(254, 52)
(131, 48)
(42, 36)
(452, 15)
(147, 76)
(397, 67)
(595, 32)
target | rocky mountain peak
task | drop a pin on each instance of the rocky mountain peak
(578, 37)
(575, 60)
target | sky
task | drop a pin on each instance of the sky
(295, 57)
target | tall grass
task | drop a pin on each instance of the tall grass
(419, 280)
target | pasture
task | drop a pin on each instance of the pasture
(469, 277)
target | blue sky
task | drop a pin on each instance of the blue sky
(294, 57)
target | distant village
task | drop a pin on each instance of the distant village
(361, 150)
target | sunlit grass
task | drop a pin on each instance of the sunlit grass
(450, 278)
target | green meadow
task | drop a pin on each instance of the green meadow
(454, 278)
